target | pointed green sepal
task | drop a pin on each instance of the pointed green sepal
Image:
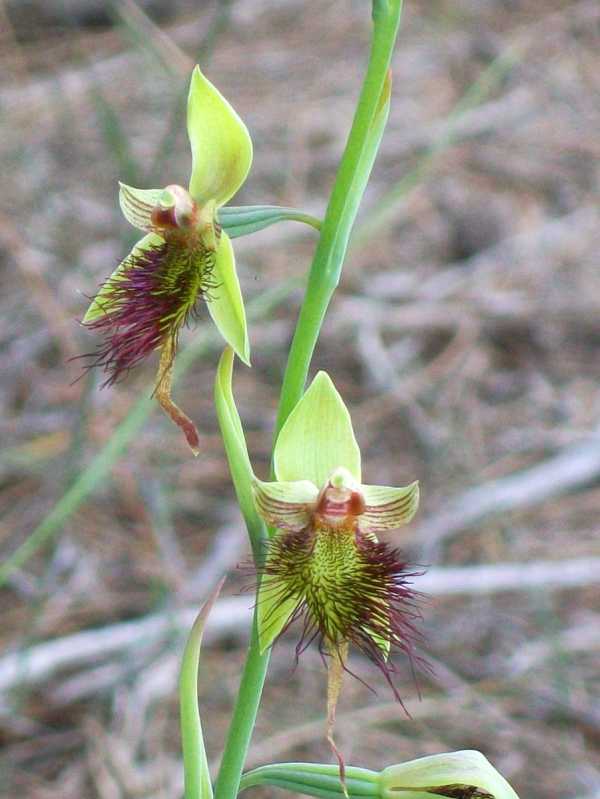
(195, 765)
(317, 437)
(137, 204)
(273, 610)
(246, 219)
(387, 508)
(225, 301)
(101, 304)
(221, 144)
(466, 773)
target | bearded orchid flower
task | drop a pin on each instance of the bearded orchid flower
(184, 256)
(450, 775)
(324, 564)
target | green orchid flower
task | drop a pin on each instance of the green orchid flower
(184, 256)
(450, 775)
(324, 564)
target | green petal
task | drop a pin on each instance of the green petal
(226, 304)
(195, 764)
(419, 779)
(387, 507)
(137, 205)
(317, 437)
(221, 144)
(287, 506)
(100, 304)
(272, 613)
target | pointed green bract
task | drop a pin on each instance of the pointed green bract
(221, 144)
(317, 437)
(225, 301)
(137, 204)
(196, 775)
(418, 779)
(237, 452)
(100, 305)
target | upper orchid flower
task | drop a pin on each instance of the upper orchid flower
(324, 563)
(184, 257)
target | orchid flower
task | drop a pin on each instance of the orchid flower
(324, 564)
(183, 258)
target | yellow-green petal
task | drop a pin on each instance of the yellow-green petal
(137, 205)
(101, 304)
(287, 506)
(388, 508)
(226, 304)
(317, 437)
(221, 144)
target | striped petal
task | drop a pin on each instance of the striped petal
(137, 205)
(387, 508)
(287, 506)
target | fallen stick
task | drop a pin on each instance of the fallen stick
(572, 468)
(231, 616)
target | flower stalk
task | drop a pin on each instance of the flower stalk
(349, 186)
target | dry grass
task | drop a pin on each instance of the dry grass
(464, 337)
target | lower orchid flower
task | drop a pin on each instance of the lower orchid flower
(324, 564)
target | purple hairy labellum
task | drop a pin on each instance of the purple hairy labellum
(156, 291)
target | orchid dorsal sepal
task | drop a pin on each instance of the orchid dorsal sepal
(220, 142)
(317, 437)
(243, 220)
(467, 773)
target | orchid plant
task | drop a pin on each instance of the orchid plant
(314, 525)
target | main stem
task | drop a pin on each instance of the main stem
(322, 281)
(328, 260)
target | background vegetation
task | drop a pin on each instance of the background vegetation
(464, 338)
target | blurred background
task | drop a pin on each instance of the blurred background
(464, 337)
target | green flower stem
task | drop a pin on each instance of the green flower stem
(323, 279)
(341, 212)
(243, 719)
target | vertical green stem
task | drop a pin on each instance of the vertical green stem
(323, 279)
(243, 719)
(341, 212)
